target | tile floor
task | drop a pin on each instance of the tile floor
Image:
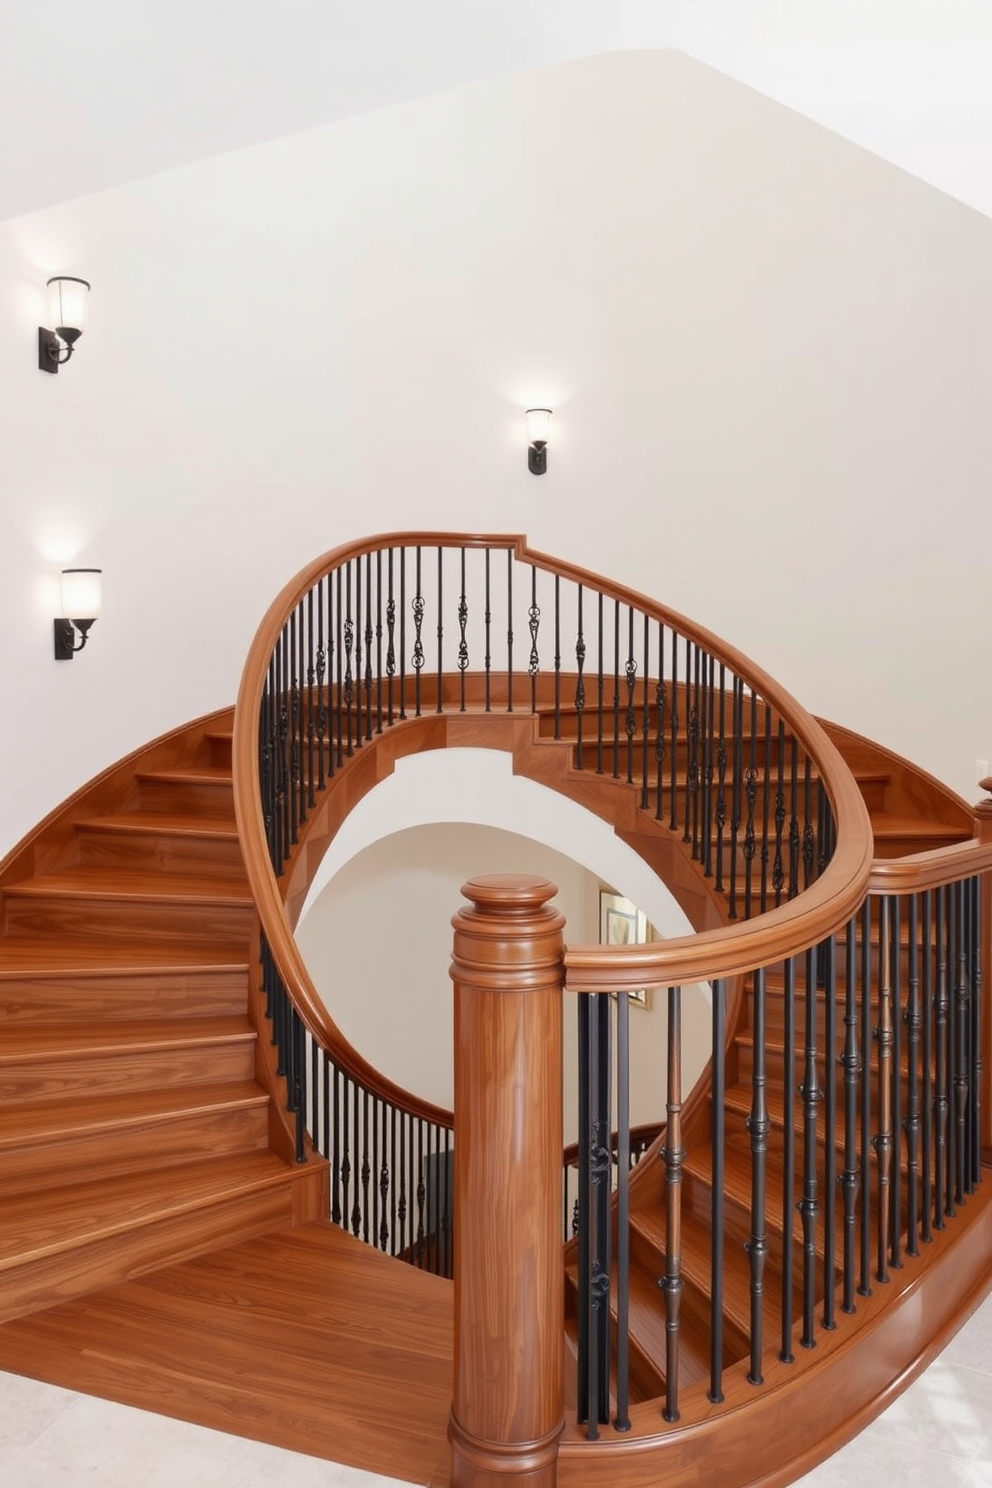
(936, 1435)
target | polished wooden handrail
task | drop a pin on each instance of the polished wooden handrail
(930, 870)
(818, 912)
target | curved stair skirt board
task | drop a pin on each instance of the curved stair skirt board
(762, 1438)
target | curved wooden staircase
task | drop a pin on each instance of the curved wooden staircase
(143, 1119)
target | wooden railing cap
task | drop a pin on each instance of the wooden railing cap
(506, 893)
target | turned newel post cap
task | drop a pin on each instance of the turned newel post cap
(986, 785)
(509, 893)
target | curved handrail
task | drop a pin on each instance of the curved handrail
(933, 869)
(815, 913)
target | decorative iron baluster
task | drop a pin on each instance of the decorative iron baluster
(766, 800)
(850, 1061)
(366, 1166)
(335, 1151)
(402, 613)
(418, 641)
(674, 1157)
(718, 1146)
(359, 657)
(809, 835)
(310, 774)
(321, 673)
(708, 766)
(600, 683)
(378, 641)
(883, 1137)
(646, 715)
(594, 1205)
(295, 762)
(349, 642)
(690, 825)
(975, 979)
(616, 689)
(421, 1196)
(895, 1187)
(557, 657)
(533, 625)
(738, 781)
(758, 1125)
(794, 821)
(673, 820)
(462, 642)
(346, 1150)
(390, 639)
(660, 701)
(809, 1206)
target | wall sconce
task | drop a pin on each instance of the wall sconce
(538, 425)
(80, 607)
(67, 299)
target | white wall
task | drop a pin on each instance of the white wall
(766, 348)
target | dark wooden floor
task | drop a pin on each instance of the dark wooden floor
(307, 1339)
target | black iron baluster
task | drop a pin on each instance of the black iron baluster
(646, 715)
(337, 1209)
(580, 686)
(622, 1419)
(660, 700)
(793, 889)
(630, 718)
(462, 643)
(489, 621)
(440, 630)
(721, 779)
(708, 765)
(557, 657)
(339, 675)
(366, 1166)
(373, 1237)
(616, 689)
(346, 1149)
(310, 773)
(383, 1181)
(674, 1158)
(369, 638)
(926, 1094)
(673, 820)
(718, 1145)
(321, 674)
(600, 684)
(738, 783)
(864, 1286)
(850, 1061)
(975, 966)
(402, 632)
(962, 1019)
(359, 658)
(751, 796)
(829, 960)
(349, 642)
(594, 1206)
(390, 640)
(809, 835)
(690, 826)
(883, 1038)
(395, 1120)
(533, 624)
(809, 1206)
(758, 1125)
(509, 632)
(295, 765)
(418, 643)
(400, 1240)
(788, 1151)
(895, 1188)
(912, 1122)
(941, 1101)
(778, 869)
(766, 808)
(421, 1196)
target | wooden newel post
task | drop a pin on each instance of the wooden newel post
(507, 1412)
(983, 830)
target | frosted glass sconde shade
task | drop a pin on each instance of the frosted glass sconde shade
(81, 597)
(68, 298)
(538, 428)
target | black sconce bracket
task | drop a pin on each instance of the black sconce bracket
(65, 637)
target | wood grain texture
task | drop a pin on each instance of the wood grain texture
(307, 1339)
(508, 1405)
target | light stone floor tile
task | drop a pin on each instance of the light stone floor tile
(937, 1435)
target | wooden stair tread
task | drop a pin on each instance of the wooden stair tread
(39, 1223)
(190, 775)
(885, 824)
(168, 823)
(117, 884)
(44, 954)
(25, 1043)
(39, 1122)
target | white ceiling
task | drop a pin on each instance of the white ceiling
(94, 93)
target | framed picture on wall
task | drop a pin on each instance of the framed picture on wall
(622, 923)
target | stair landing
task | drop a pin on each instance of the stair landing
(306, 1338)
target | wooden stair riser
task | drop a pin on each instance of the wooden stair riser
(141, 921)
(219, 748)
(114, 1071)
(139, 1146)
(213, 799)
(695, 1313)
(154, 851)
(36, 1000)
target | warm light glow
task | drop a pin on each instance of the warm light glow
(538, 425)
(67, 301)
(81, 593)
